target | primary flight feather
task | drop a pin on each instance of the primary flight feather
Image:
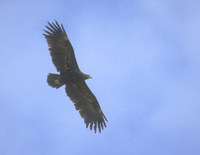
(63, 58)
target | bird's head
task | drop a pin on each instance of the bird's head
(87, 77)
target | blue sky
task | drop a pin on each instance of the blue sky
(144, 60)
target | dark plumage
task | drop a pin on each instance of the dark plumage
(63, 57)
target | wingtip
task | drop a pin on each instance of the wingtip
(105, 117)
(51, 30)
(52, 26)
(87, 125)
(58, 25)
(91, 124)
(63, 29)
(45, 35)
(95, 126)
(99, 126)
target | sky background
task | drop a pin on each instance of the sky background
(144, 57)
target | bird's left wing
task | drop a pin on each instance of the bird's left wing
(87, 104)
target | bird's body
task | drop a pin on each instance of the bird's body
(72, 77)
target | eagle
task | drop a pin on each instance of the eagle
(72, 77)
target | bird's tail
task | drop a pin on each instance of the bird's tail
(54, 80)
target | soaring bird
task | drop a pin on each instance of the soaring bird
(72, 77)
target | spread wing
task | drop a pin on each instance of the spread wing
(61, 50)
(87, 104)
(63, 57)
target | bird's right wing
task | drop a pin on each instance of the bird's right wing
(61, 50)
